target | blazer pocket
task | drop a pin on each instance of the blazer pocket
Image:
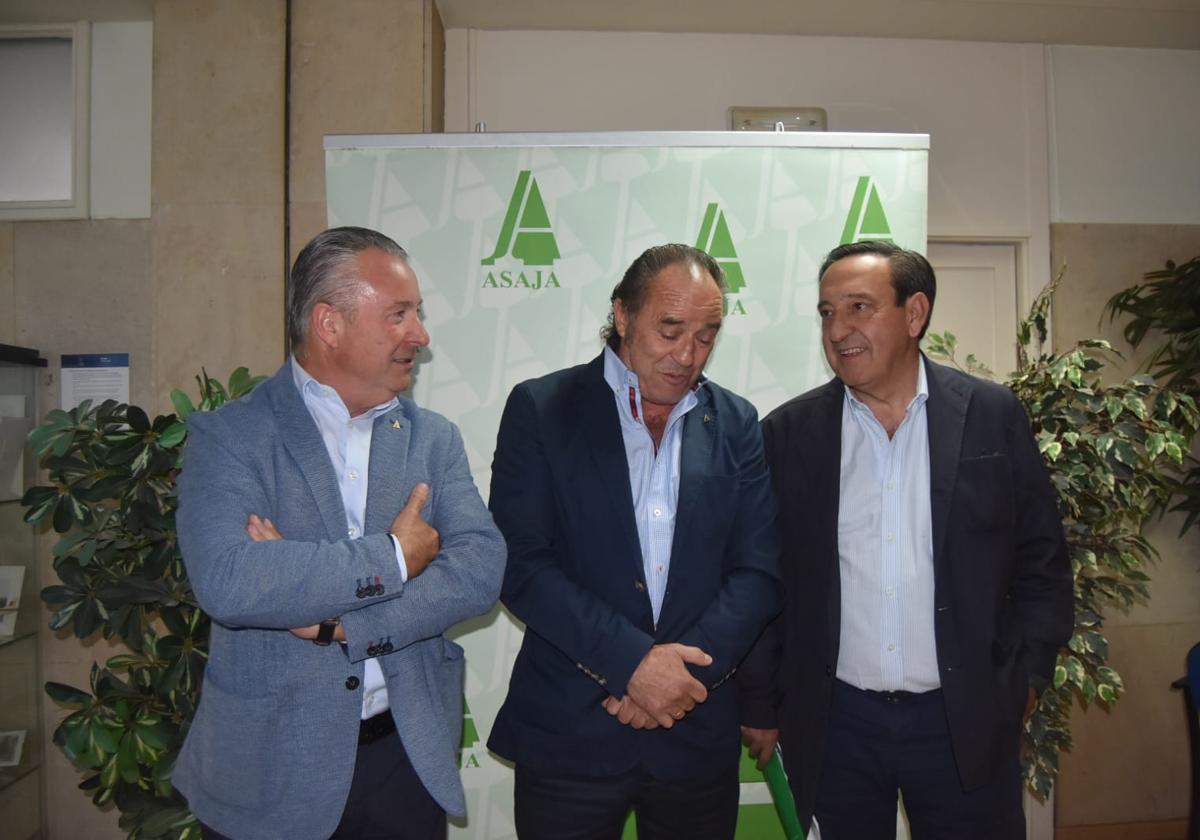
(234, 739)
(451, 680)
(984, 492)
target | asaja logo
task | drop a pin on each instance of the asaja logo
(715, 240)
(470, 737)
(866, 219)
(527, 235)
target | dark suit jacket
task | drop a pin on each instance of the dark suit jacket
(1003, 585)
(561, 497)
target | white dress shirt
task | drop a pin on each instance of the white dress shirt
(348, 441)
(653, 476)
(885, 550)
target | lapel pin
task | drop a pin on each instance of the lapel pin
(395, 424)
(707, 419)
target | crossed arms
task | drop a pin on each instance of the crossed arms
(244, 581)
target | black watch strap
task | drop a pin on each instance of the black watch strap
(325, 631)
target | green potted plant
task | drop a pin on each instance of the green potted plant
(1167, 307)
(112, 497)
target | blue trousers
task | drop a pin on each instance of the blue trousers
(879, 744)
(553, 806)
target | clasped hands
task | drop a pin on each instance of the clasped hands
(419, 543)
(661, 690)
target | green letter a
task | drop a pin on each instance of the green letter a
(866, 219)
(534, 242)
(715, 240)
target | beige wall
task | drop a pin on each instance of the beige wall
(358, 67)
(1130, 765)
(8, 310)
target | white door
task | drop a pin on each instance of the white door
(977, 301)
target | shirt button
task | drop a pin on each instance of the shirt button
(353, 532)
(658, 512)
(891, 537)
(352, 475)
(660, 570)
(891, 647)
(891, 593)
(891, 485)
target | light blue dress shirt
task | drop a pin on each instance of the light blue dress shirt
(653, 476)
(885, 549)
(348, 441)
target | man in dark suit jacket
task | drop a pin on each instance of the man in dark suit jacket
(928, 587)
(643, 560)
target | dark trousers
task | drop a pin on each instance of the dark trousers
(876, 745)
(387, 799)
(554, 806)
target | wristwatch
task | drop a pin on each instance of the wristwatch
(325, 631)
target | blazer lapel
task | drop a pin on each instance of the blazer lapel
(602, 432)
(946, 415)
(386, 471)
(824, 441)
(695, 460)
(303, 442)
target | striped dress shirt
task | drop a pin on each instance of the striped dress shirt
(885, 550)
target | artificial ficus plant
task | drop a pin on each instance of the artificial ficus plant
(1115, 454)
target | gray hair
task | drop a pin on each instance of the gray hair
(323, 273)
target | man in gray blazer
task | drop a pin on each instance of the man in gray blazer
(332, 531)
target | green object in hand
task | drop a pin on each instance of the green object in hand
(781, 795)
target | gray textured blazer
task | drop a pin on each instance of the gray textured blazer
(271, 751)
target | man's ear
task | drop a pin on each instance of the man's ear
(326, 324)
(916, 313)
(620, 318)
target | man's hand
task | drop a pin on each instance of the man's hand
(760, 743)
(419, 542)
(262, 529)
(629, 713)
(662, 686)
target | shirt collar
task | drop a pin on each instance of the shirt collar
(311, 389)
(919, 399)
(620, 377)
(624, 384)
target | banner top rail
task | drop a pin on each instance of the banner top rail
(617, 139)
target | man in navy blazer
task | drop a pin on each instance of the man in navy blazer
(643, 560)
(928, 587)
(325, 508)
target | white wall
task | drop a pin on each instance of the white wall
(1125, 135)
(122, 57)
(983, 104)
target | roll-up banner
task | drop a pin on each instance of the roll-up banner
(518, 240)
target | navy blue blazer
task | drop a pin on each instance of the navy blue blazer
(1002, 580)
(561, 497)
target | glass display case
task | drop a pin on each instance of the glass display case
(21, 613)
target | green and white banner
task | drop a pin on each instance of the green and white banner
(518, 240)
